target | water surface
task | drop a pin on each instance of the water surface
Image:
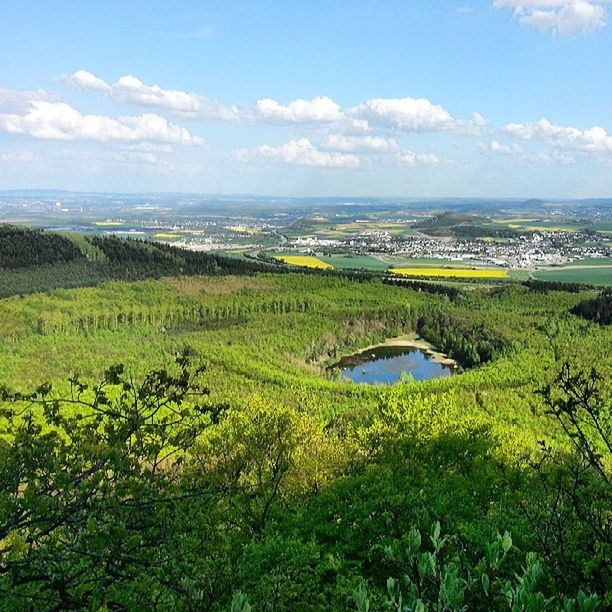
(383, 365)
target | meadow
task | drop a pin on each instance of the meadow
(595, 275)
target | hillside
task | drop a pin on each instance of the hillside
(32, 261)
(266, 481)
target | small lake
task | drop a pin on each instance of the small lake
(383, 365)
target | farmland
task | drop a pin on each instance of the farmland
(451, 272)
(595, 275)
(305, 261)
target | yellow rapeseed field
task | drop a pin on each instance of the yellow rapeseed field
(452, 272)
(304, 260)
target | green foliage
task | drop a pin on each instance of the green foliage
(84, 492)
(291, 496)
(438, 579)
(598, 309)
(22, 248)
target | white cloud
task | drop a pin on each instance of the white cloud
(301, 153)
(60, 121)
(410, 114)
(561, 17)
(131, 90)
(379, 146)
(406, 114)
(149, 147)
(18, 156)
(595, 139)
(143, 159)
(86, 80)
(375, 144)
(416, 115)
(12, 101)
(321, 108)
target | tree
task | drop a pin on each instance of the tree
(570, 494)
(86, 482)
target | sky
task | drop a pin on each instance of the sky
(419, 98)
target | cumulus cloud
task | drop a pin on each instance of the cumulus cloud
(131, 90)
(301, 153)
(405, 114)
(416, 115)
(12, 101)
(561, 17)
(411, 114)
(379, 146)
(320, 108)
(86, 80)
(60, 121)
(595, 139)
(375, 144)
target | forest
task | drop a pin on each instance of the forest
(171, 438)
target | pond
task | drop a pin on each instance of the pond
(383, 365)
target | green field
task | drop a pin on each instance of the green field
(356, 262)
(591, 261)
(595, 276)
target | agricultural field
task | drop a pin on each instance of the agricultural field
(484, 273)
(306, 261)
(595, 275)
(356, 262)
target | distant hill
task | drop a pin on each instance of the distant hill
(33, 260)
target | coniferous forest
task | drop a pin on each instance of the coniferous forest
(174, 436)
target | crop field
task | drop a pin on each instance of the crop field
(166, 235)
(109, 223)
(596, 275)
(590, 261)
(356, 262)
(451, 272)
(304, 260)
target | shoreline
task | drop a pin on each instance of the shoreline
(412, 340)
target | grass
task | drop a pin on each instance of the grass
(108, 223)
(304, 260)
(356, 262)
(166, 235)
(451, 272)
(591, 261)
(593, 276)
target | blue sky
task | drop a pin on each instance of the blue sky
(419, 98)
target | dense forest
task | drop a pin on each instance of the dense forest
(171, 438)
(598, 309)
(32, 261)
